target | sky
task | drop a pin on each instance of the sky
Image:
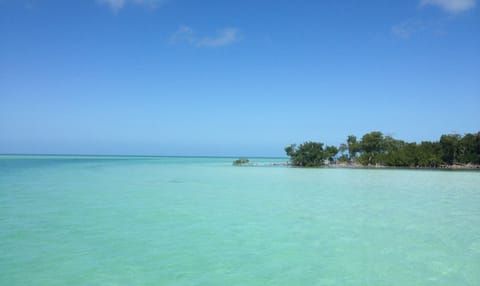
(233, 78)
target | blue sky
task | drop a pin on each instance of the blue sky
(232, 78)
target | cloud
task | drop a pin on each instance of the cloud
(412, 27)
(183, 34)
(117, 5)
(224, 37)
(451, 6)
(149, 3)
(406, 29)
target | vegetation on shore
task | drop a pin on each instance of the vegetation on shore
(241, 161)
(375, 149)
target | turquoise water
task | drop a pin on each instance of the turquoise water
(68, 220)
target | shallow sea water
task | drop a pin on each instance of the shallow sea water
(67, 220)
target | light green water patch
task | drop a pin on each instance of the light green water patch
(202, 221)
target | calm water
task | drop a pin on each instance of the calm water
(201, 221)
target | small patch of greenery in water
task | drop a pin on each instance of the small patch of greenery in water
(241, 161)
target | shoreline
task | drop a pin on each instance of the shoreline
(468, 167)
(378, 166)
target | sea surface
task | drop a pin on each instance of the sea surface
(87, 220)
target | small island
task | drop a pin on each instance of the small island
(452, 151)
(241, 161)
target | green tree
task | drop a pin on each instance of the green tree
(371, 145)
(449, 144)
(330, 153)
(308, 154)
(469, 149)
(343, 159)
(429, 154)
(353, 147)
(404, 156)
(391, 144)
(290, 150)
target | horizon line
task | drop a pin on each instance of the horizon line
(133, 155)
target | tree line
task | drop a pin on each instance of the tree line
(375, 148)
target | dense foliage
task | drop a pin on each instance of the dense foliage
(241, 161)
(310, 154)
(376, 149)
